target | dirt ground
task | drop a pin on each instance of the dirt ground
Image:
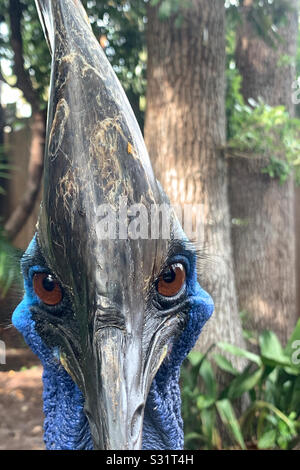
(21, 416)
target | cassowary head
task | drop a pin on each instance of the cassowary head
(112, 306)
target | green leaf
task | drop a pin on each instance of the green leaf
(195, 357)
(228, 417)
(240, 352)
(295, 400)
(207, 373)
(267, 440)
(244, 383)
(204, 401)
(5, 175)
(165, 10)
(225, 364)
(261, 405)
(208, 418)
(271, 350)
(192, 436)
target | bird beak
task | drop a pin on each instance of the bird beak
(115, 378)
(115, 412)
(116, 415)
(116, 388)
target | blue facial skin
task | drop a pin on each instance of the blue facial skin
(65, 425)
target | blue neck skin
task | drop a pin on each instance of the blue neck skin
(66, 426)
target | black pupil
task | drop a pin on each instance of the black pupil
(169, 275)
(48, 283)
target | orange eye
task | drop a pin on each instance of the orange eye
(47, 288)
(172, 280)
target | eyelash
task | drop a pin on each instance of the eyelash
(185, 260)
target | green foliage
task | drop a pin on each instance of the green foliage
(121, 25)
(233, 77)
(9, 266)
(271, 382)
(255, 129)
(278, 169)
(265, 16)
(35, 51)
(4, 168)
(168, 8)
(297, 107)
(258, 130)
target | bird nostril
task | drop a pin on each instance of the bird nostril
(136, 425)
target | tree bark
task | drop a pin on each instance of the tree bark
(21, 213)
(264, 247)
(185, 134)
(3, 182)
(3, 159)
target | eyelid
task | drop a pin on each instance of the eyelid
(32, 270)
(183, 259)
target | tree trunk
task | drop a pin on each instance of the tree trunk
(3, 182)
(264, 248)
(21, 213)
(185, 134)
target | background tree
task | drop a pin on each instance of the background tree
(263, 209)
(185, 133)
(30, 81)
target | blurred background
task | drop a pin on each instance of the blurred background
(215, 86)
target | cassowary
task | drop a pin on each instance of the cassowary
(111, 318)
